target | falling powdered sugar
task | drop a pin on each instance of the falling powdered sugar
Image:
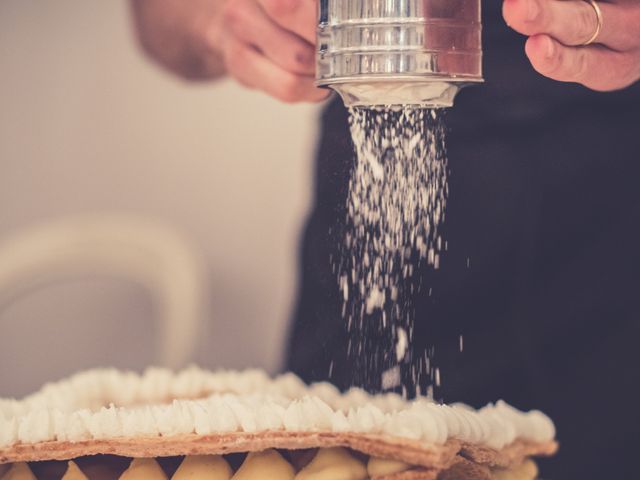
(395, 207)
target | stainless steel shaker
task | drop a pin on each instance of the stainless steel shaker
(399, 52)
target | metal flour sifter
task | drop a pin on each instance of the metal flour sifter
(399, 52)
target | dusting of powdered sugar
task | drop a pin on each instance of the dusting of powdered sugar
(395, 207)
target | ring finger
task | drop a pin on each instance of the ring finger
(573, 22)
(594, 66)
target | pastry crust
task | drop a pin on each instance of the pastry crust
(413, 474)
(467, 470)
(415, 453)
(125, 414)
(432, 457)
(510, 455)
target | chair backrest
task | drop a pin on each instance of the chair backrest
(149, 253)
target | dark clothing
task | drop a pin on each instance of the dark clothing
(542, 272)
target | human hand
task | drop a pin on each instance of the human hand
(268, 45)
(558, 30)
(175, 33)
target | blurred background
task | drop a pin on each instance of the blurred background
(130, 200)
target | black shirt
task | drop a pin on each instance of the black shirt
(542, 272)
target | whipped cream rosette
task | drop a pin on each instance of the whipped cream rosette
(245, 426)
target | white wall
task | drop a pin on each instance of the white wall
(88, 125)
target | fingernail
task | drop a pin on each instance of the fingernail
(305, 58)
(550, 49)
(533, 10)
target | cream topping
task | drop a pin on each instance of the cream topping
(107, 404)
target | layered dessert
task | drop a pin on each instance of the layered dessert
(195, 424)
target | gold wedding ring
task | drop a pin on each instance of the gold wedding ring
(598, 11)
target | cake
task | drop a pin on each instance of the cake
(246, 425)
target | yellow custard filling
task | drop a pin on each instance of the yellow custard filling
(73, 472)
(203, 467)
(144, 469)
(378, 467)
(333, 464)
(323, 464)
(528, 470)
(266, 465)
(19, 471)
